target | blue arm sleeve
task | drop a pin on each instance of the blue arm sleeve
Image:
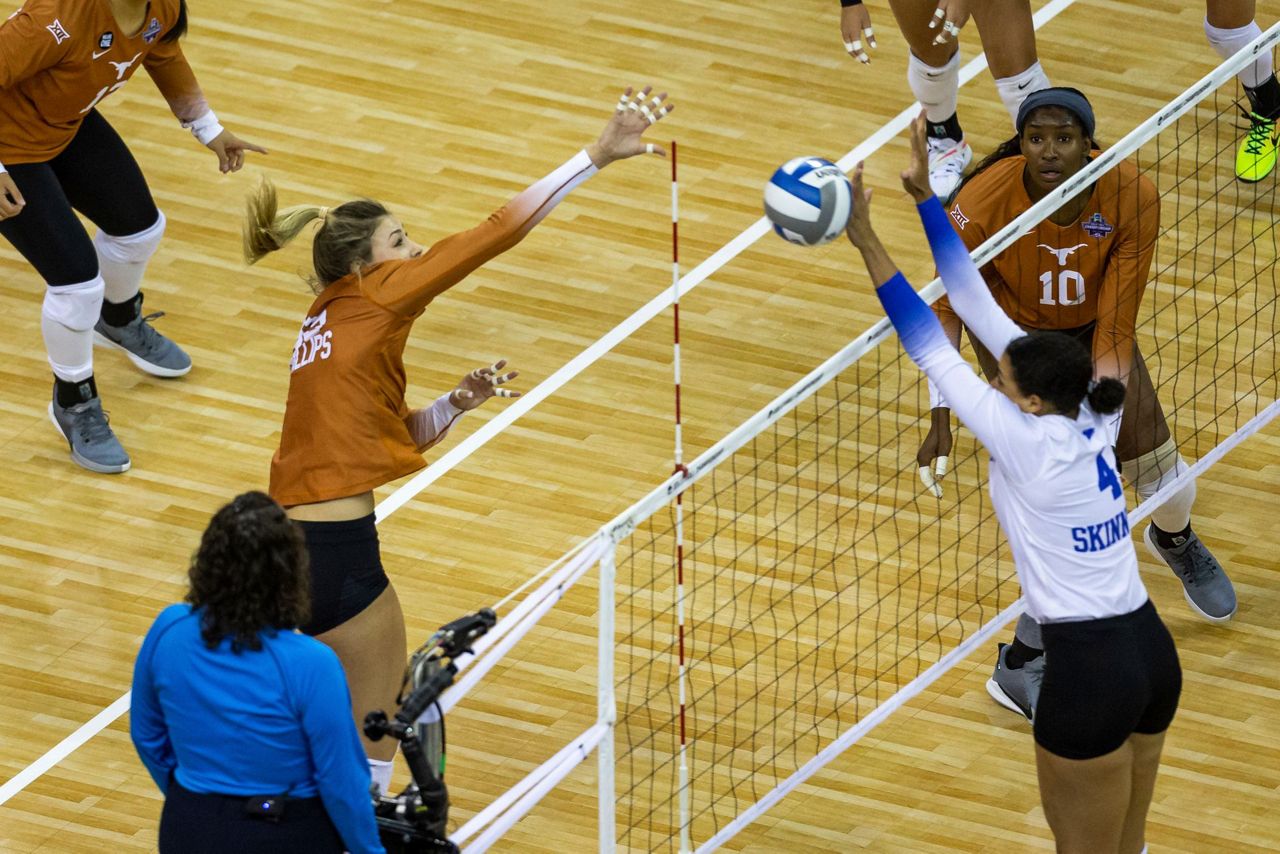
(968, 292)
(1011, 435)
(342, 773)
(147, 727)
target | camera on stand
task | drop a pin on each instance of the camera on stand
(415, 821)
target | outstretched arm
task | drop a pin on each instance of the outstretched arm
(993, 418)
(415, 283)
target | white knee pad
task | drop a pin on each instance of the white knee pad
(1156, 470)
(1014, 90)
(74, 306)
(123, 260)
(1228, 42)
(131, 248)
(66, 319)
(937, 89)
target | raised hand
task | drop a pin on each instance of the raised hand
(230, 150)
(633, 115)
(482, 384)
(859, 230)
(855, 24)
(948, 19)
(915, 180)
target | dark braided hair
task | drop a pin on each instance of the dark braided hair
(179, 29)
(250, 574)
(1059, 369)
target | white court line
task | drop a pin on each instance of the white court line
(545, 389)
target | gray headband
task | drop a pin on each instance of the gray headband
(1068, 99)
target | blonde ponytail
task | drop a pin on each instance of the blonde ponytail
(265, 230)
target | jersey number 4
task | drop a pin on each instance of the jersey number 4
(1107, 478)
(1068, 281)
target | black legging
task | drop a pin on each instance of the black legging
(96, 175)
(217, 824)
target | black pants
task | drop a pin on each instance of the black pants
(346, 571)
(1104, 680)
(96, 175)
(218, 824)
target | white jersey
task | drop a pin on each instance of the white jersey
(1054, 481)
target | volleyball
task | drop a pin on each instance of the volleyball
(808, 200)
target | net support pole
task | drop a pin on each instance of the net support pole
(607, 708)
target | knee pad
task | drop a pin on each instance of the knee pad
(1156, 470)
(131, 248)
(937, 89)
(74, 306)
(1014, 90)
(1228, 41)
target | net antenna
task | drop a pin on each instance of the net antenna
(680, 469)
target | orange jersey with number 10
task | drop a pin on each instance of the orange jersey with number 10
(60, 58)
(1066, 276)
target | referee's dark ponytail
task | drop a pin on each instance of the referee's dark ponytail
(1059, 370)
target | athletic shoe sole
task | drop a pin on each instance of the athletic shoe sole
(83, 461)
(141, 363)
(997, 693)
(1151, 547)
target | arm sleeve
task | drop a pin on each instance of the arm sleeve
(342, 773)
(993, 418)
(413, 284)
(28, 46)
(173, 76)
(1124, 280)
(147, 727)
(430, 425)
(966, 288)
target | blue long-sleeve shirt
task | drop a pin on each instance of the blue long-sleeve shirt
(1053, 479)
(267, 722)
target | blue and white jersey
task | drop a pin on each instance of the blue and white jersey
(1053, 479)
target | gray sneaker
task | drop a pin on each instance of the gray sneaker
(1205, 583)
(86, 430)
(1016, 690)
(145, 347)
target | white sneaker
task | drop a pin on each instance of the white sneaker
(947, 161)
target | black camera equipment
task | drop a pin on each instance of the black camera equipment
(414, 822)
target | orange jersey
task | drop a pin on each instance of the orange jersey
(1064, 277)
(345, 422)
(60, 58)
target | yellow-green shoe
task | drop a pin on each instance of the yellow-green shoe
(1257, 154)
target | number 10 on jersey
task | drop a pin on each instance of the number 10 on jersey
(1068, 281)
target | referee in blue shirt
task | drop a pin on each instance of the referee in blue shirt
(244, 724)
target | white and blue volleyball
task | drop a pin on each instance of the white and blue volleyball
(808, 200)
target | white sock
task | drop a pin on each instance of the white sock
(1014, 90)
(1228, 42)
(123, 260)
(380, 770)
(937, 89)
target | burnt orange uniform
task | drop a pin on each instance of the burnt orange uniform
(1065, 277)
(345, 429)
(60, 58)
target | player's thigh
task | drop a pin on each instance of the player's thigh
(47, 232)
(1146, 765)
(1008, 35)
(103, 181)
(1086, 801)
(913, 18)
(989, 364)
(1143, 427)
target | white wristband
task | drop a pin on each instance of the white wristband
(936, 400)
(206, 128)
(2, 169)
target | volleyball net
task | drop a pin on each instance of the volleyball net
(809, 586)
